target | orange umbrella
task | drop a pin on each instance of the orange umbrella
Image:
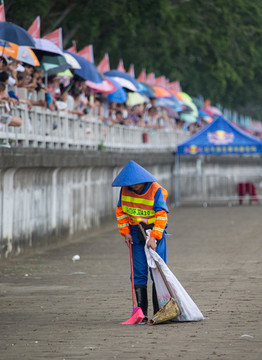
(176, 95)
(161, 92)
(20, 53)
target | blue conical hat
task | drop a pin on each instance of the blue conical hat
(133, 174)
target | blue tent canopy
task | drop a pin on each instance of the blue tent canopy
(220, 138)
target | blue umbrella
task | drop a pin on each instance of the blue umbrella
(15, 34)
(146, 90)
(202, 113)
(119, 95)
(173, 103)
(128, 81)
(88, 70)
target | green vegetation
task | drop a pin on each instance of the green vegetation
(213, 47)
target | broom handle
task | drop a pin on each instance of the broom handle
(158, 266)
(132, 275)
(164, 279)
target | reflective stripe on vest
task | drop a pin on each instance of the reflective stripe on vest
(137, 200)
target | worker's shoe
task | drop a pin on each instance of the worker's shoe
(154, 299)
(142, 300)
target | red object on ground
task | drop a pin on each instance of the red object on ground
(246, 188)
(137, 314)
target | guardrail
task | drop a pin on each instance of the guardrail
(58, 129)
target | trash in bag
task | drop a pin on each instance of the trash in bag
(188, 308)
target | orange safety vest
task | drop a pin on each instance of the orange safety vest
(140, 207)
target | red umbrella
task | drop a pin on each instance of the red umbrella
(105, 86)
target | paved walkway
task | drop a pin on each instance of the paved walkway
(54, 308)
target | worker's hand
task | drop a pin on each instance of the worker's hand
(152, 243)
(128, 239)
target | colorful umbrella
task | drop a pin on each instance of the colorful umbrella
(202, 113)
(185, 97)
(161, 92)
(176, 94)
(119, 95)
(189, 118)
(64, 77)
(53, 64)
(88, 70)
(191, 107)
(20, 53)
(124, 79)
(134, 98)
(147, 90)
(51, 58)
(74, 64)
(106, 86)
(47, 46)
(212, 110)
(170, 112)
(15, 34)
(174, 103)
(66, 73)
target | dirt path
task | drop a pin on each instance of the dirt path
(54, 308)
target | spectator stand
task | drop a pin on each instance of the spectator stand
(45, 128)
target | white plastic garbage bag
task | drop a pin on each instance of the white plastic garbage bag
(189, 310)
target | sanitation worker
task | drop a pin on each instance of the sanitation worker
(142, 200)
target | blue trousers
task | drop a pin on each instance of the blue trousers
(139, 257)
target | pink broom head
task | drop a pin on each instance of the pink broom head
(136, 317)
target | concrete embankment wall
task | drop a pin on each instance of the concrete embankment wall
(51, 195)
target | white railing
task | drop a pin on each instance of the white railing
(52, 129)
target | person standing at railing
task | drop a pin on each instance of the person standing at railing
(119, 120)
(104, 109)
(78, 108)
(6, 119)
(9, 66)
(152, 118)
(133, 116)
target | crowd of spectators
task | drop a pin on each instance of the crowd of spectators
(58, 93)
(71, 94)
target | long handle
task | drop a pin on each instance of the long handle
(164, 279)
(132, 275)
(158, 266)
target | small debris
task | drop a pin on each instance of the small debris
(247, 336)
(75, 258)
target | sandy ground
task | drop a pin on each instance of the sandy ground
(54, 308)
